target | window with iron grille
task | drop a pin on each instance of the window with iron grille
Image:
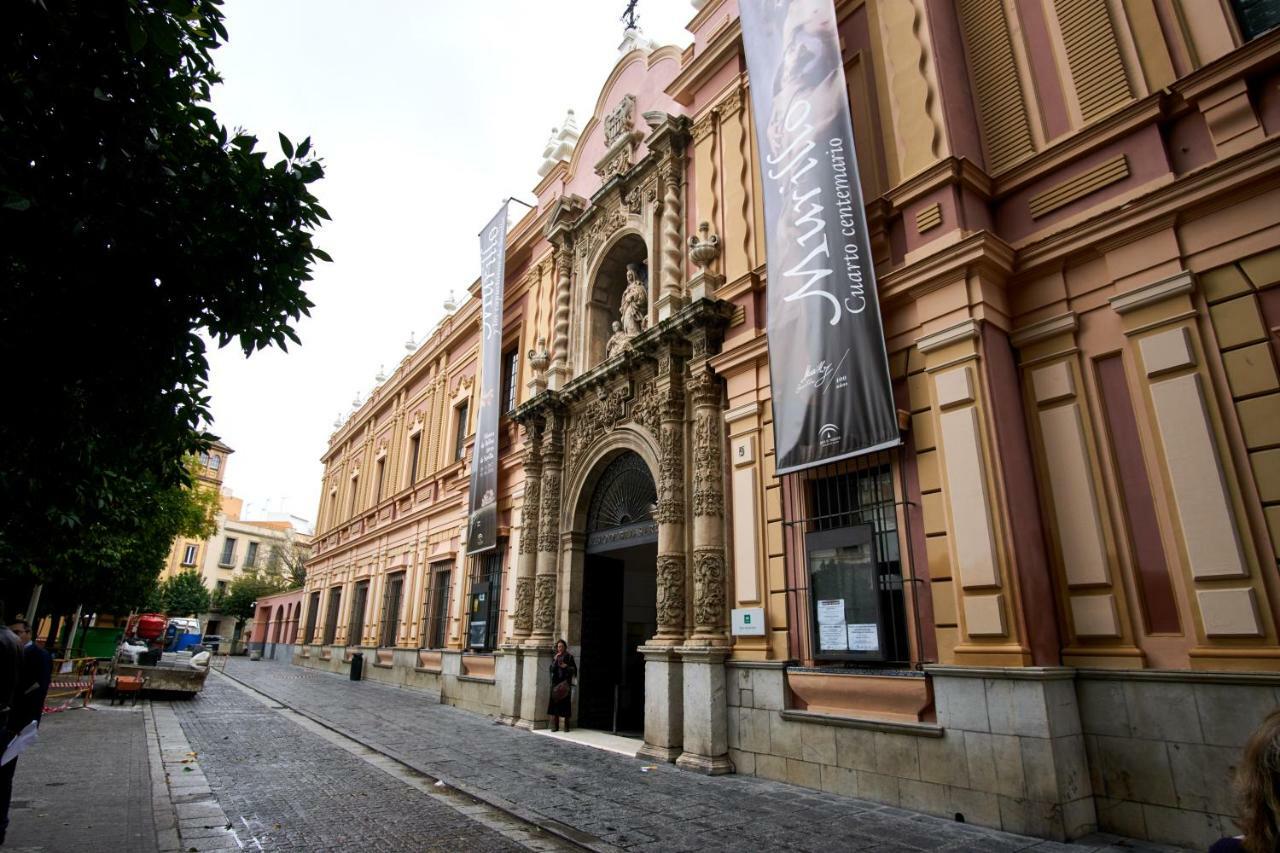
(842, 538)
(228, 557)
(486, 596)
(331, 618)
(251, 556)
(391, 609)
(460, 433)
(361, 598)
(510, 368)
(313, 610)
(436, 616)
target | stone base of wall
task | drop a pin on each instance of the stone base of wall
(1052, 752)
(447, 679)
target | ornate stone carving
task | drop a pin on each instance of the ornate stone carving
(708, 491)
(523, 617)
(671, 473)
(645, 410)
(539, 359)
(672, 256)
(620, 121)
(670, 598)
(635, 300)
(601, 228)
(532, 506)
(599, 416)
(544, 604)
(617, 341)
(708, 587)
(548, 522)
(564, 272)
(704, 248)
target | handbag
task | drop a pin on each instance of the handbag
(560, 691)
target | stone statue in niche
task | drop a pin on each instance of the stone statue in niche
(617, 341)
(635, 300)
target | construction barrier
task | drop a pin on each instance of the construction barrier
(73, 678)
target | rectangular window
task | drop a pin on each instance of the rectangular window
(313, 610)
(331, 618)
(377, 483)
(1256, 16)
(351, 502)
(415, 446)
(356, 635)
(486, 595)
(189, 555)
(251, 556)
(460, 437)
(228, 557)
(843, 520)
(215, 462)
(204, 460)
(220, 588)
(510, 369)
(391, 609)
(437, 609)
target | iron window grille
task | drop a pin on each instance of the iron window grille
(484, 611)
(356, 635)
(436, 616)
(313, 610)
(391, 610)
(228, 557)
(850, 565)
(331, 617)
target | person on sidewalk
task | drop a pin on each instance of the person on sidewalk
(1258, 786)
(37, 672)
(10, 679)
(563, 670)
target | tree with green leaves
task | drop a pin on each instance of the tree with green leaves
(134, 226)
(246, 588)
(184, 594)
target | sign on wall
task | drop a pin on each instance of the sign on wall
(832, 397)
(482, 519)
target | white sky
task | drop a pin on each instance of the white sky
(427, 115)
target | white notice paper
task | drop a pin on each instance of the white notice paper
(831, 612)
(832, 638)
(19, 744)
(864, 638)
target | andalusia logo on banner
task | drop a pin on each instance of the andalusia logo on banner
(826, 344)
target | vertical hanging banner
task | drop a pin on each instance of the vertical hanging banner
(482, 524)
(832, 397)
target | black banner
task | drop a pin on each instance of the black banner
(832, 397)
(482, 520)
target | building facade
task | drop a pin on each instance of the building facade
(1066, 577)
(189, 554)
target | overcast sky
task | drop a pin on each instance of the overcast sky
(427, 115)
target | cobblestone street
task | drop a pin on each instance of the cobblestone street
(269, 771)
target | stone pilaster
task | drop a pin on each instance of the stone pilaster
(706, 718)
(671, 505)
(708, 506)
(526, 567)
(663, 704)
(544, 589)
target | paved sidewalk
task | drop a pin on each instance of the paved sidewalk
(84, 785)
(617, 800)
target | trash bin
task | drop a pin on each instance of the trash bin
(357, 666)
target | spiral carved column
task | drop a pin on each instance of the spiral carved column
(559, 372)
(672, 297)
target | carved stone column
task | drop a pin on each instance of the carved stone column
(537, 649)
(671, 505)
(708, 508)
(526, 568)
(558, 374)
(671, 137)
(544, 591)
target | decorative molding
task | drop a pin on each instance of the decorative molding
(963, 331)
(1104, 174)
(1045, 329)
(930, 217)
(1150, 294)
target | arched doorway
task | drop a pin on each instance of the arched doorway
(618, 596)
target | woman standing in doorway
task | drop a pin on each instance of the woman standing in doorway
(563, 670)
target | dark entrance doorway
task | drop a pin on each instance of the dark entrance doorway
(619, 594)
